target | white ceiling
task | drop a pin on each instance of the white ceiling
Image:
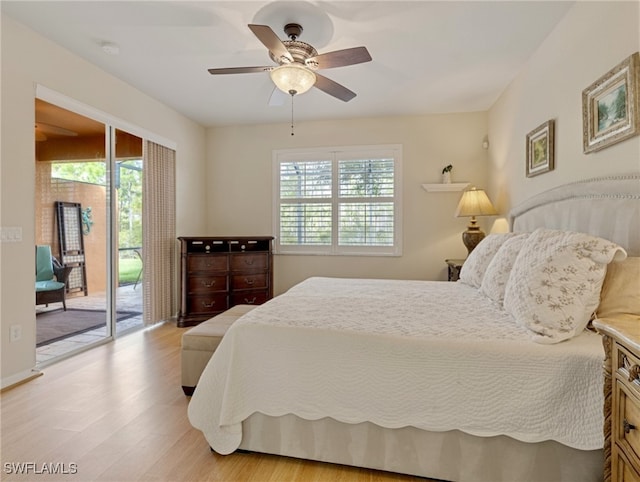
(428, 57)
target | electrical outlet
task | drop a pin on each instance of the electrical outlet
(16, 332)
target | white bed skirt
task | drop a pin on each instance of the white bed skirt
(453, 456)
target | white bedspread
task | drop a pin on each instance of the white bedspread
(434, 355)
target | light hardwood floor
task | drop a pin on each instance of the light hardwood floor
(118, 413)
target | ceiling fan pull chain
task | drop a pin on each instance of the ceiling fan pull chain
(293, 93)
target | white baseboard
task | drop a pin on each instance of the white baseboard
(19, 378)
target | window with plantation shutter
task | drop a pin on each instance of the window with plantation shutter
(338, 201)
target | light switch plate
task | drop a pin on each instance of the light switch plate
(10, 234)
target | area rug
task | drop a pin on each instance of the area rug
(56, 325)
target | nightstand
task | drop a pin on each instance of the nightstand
(621, 340)
(454, 266)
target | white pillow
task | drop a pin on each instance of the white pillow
(554, 286)
(495, 278)
(476, 264)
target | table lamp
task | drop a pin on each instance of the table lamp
(474, 202)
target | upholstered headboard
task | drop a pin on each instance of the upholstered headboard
(608, 207)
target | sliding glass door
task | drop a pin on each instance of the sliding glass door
(88, 212)
(127, 230)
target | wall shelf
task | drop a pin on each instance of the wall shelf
(442, 187)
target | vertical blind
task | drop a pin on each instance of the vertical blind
(159, 233)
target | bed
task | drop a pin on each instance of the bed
(435, 378)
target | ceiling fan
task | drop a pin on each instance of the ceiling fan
(298, 62)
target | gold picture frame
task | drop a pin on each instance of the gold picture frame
(610, 106)
(541, 149)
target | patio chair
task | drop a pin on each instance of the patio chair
(51, 278)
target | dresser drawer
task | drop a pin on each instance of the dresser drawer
(207, 303)
(207, 284)
(249, 262)
(250, 245)
(206, 262)
(627, 366)
(623, 471)
(248, 281)
(205, 245)
(249, 297)
(627, 430)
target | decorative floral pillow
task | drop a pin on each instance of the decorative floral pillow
(476, 264)
(554, 286)
(620, 295)
(495, 278)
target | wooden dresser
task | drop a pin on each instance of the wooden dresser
(217, 273)
(621, 399)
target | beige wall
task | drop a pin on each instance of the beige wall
(29, 59)
(240, 185)
(549, 87)
(591, 39)
(236, 177)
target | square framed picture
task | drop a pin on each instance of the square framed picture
(610, 106)
(540, 149)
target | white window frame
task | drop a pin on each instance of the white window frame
(390, 151)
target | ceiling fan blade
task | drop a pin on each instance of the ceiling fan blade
(239, 70)
(330, 87)
(271, 41)
(277, 98)
(341, 58)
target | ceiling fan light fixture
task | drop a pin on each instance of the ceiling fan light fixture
(293, 78)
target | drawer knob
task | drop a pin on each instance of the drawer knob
(208, 284)
(250, 302)
(249, 281)
(627, 427)
(208, 305)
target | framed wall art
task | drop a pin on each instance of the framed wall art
(610, 106)
(540, 149)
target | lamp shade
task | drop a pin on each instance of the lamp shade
(293, 78)
(475, 202)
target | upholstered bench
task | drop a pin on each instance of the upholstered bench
(199, 343)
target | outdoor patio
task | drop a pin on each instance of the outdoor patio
(129, 299)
